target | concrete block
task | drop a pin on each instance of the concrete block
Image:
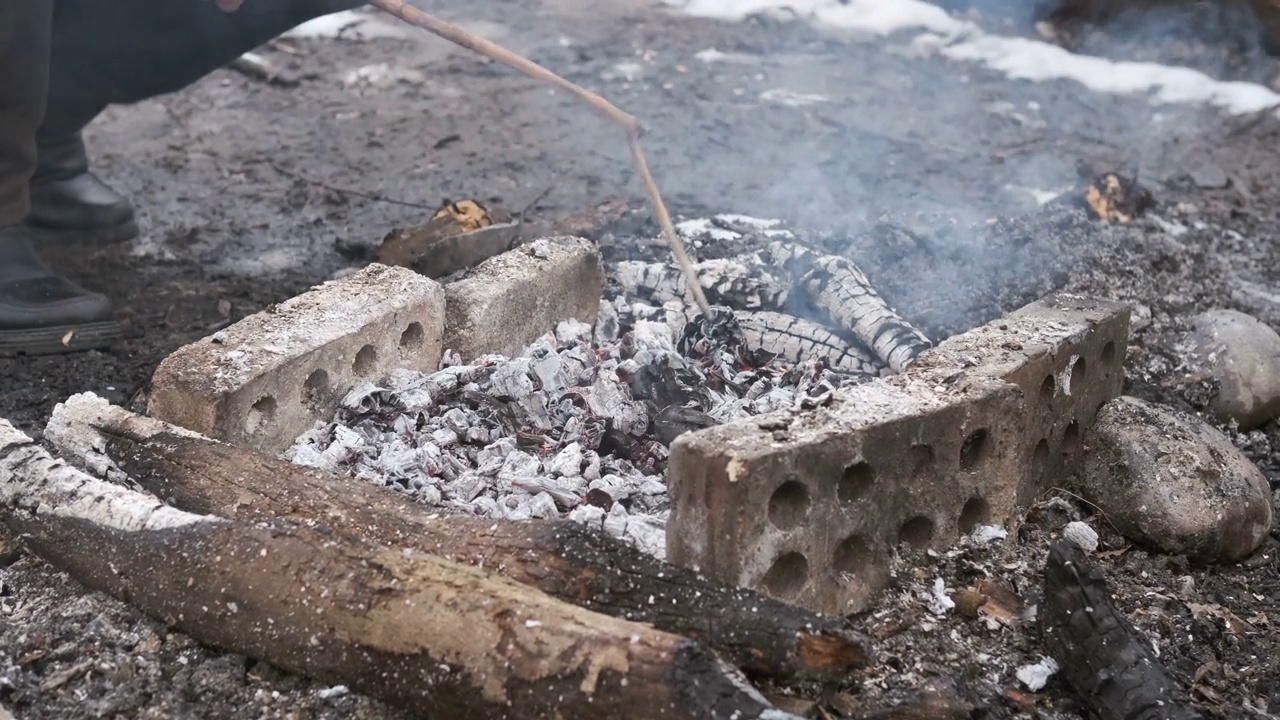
(511, 299)
(808, 507)
(266, 379)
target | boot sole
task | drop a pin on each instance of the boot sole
(99, 237)
(59, 340)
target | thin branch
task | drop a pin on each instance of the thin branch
(462, 38)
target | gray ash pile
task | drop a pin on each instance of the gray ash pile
(579, 425)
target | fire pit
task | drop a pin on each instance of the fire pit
(790, 442)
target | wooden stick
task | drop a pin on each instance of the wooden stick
(764, 637)
(442, 639)
(634, 130)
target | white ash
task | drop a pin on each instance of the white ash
(577, 426)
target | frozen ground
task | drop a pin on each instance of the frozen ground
(959, 127)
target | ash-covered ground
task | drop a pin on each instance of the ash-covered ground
(934, 172)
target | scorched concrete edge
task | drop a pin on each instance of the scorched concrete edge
(809, 506)
(266, 379)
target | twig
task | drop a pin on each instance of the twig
(345, 191)
(462, 38)
(1101, 512)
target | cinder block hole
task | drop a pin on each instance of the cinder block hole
(1040, 457)
(789, 504)
(262, 413)
(920, 460)
(1071, 438)
(974, 513)
(787, 576)
(413, 337)
(916, 532)
(315, 390)
(852, 556)
(1078, 371)
(364, 362)
(1108, 354)
(1047, 389)
(974, 450)
(856, 482)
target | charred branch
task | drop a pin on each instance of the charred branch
(1105, 659)
(565, 560)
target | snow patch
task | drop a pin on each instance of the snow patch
(1018, 58)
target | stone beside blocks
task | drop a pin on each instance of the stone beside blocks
(268, 378)
(510, 300)
(808, 507)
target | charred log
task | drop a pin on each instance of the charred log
(797, 340)
(1104, 658)
(416, 630)
(764, 637)
(837, 286)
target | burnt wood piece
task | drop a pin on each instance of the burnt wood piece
(437, 637)
(797, 340)
(742, 283)
(1108, 662)
(763, 637)
(838, 287)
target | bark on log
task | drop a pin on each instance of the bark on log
(437, 637)
(1108, 662)
(763, 637)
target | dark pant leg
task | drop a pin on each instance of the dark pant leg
(24, 75)
(123, 51)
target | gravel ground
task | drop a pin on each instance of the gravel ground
(930, 169)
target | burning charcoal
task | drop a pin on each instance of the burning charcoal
(514, 507)
(607, 329)
(672, 422)
(445, 437)
(599, 498)
(592, 470)
(496, 454)
(366, 398)
(649, 534)
(617, 486)
(519, 465)
(590, 515)
(547, 369)
(1116, 198)
(615, 522)
(457, 420)
(429, 494)
(543, 506)
(794, 340)
(563, 497)
(653, 336)
(486, 506)
(568, 462)
(616, 443)
(466, 487)
(511, 380)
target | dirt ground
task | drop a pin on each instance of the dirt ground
(249, 192)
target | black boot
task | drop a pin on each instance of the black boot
(70, 204)
(42, 313)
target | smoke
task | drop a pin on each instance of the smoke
(939, 120)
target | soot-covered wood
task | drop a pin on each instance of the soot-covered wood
(1108, 662)
(763, 637)
(439, 638)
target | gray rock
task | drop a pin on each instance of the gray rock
(1243, 354)
(1174, 483)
